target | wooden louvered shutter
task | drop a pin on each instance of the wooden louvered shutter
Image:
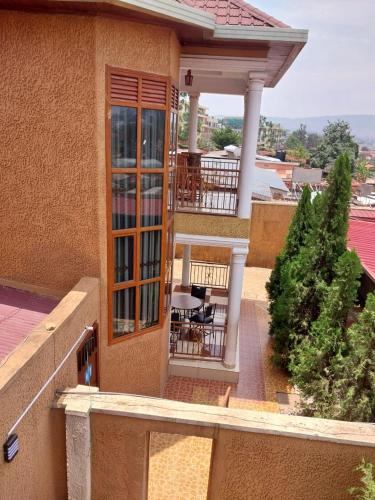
(124, 87)
(174, 98)
(154, 91)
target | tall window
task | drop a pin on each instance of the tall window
(139, 169)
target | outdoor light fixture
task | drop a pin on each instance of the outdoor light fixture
(189, 78)
(11, 447)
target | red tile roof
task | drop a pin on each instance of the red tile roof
(20, 312)
(236, 12)
(361, 237)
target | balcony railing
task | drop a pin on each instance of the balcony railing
(209, 274)
(209, 188)
(197, 341)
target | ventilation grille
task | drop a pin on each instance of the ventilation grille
(154, 91)
(124, 87)
(174, 98)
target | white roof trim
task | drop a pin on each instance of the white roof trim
(290, 35)
(213, 241)
(168, 9)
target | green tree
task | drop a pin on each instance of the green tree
(314, 360)
(337, 139)
(305, 277)
(367, 490)
(298, 230)
(225, 137)
(354, 386)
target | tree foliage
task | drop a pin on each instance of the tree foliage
(367, 490)
(225, 137)
(314, 360)
(337, 140)
(304, 278)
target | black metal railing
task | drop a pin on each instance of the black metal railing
(210, 188)
(197, 341)
(209, 274)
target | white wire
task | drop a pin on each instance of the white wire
(35, 398)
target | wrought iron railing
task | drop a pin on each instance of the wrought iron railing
(190, 340)
(210, 188)
(209, 274)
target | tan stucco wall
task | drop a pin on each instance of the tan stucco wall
(39, 469)
(269, 225)
(53, 160)
(268, 228)
(245, 465)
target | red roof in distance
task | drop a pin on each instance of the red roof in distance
(236, 13)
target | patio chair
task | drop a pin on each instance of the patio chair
(206, 317)
(175, 330)
(198, 291)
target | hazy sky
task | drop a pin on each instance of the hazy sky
(334, 73)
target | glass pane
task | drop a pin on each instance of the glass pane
(149, 306)
(150, 254)
(123, 312)
(152, 199)
(153, 138)
(123, 256)
(124, 187)
(124, 137)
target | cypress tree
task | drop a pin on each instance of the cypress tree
(313, 268)
(354, 388)
(298, 230)
(313, 361)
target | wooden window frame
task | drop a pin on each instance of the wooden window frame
(136, 282)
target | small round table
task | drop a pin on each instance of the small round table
(185, 301)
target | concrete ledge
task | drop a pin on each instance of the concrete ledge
(215, 417)
(207, 370)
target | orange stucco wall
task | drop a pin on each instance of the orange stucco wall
(39, 469)
(53, 161)
(244, 465)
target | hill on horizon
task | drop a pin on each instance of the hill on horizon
(363, 126)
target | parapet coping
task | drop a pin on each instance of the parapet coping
(164, 410)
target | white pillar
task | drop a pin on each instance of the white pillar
(186, 265)
(78, 446)
(253, 100)
(193, 122)
(234, 304)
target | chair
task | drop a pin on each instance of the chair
(198, 291)
(174, 332)
(206, 317)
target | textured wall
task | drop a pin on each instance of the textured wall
(269, 226)
(244, 466)
(53, 161)
(153, 49)
(211, 225)
(48, 152)
(253, 466)
(40, 466)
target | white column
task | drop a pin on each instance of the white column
(193, 122)
(253, 100)
(78, 446)
(234, 304)
(186, 265)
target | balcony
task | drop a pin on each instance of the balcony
(208, 187)
(190, 339)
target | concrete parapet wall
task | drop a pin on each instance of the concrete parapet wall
(39, 470)
(255, 454)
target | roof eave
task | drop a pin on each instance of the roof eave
(260, 33)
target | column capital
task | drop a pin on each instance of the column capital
(255, 84)
(239, 255)
(194, 95)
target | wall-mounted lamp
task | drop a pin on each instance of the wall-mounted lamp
(11, 447)
(189, 78)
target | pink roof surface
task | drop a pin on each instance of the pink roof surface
(236, 12)
(361, 237)
(20, 312)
